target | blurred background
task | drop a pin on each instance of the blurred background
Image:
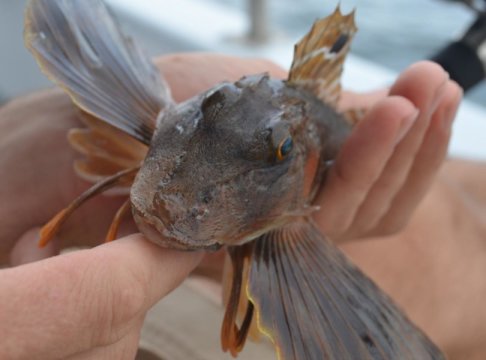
(392, 35)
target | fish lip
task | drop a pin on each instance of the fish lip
(154, 230)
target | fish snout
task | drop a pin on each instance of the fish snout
(174, 212)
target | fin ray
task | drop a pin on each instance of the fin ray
(79, 45)
(319, 56)
(314, 304)
(106, 149)
(49, 230)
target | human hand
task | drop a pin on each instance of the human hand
(389, 162)
(420, 222)
(434, 268)
(87, 304)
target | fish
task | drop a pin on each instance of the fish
(238, 167)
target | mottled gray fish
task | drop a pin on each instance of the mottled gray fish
(239, 165)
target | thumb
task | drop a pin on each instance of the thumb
(85, 299)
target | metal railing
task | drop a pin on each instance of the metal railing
(259, 32)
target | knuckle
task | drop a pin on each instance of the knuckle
(128, 289)
(337, 228)
(392, 227)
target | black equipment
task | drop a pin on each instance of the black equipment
(465, 59)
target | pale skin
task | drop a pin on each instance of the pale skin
(420, 221)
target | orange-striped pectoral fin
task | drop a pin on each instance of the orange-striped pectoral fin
(319, 57)
(314, 304)
(123, 178)
(117, 220)
(107, 150)
(49, 230)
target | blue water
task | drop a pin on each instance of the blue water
(392, 33)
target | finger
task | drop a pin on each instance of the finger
(426, 96)
(87, 298)
(124, 349)
(26, 250)
(353, 100)
(428, 160)
(360, 162)
(191, 74)
(211, 265)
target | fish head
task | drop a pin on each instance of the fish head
(223, 167)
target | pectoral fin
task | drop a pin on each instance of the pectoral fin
(319, 57)
(314, 304)
(107, 150)
(238, 317)
(123, 178)
(79, 45)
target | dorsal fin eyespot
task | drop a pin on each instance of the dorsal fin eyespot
(319, 57)
(339, 44)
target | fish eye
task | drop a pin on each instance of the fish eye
(284, 148)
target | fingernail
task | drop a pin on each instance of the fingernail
(406, 124)
(439, 92)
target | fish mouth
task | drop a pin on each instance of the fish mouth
(155, 231)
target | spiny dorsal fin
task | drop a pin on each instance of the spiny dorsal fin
(319, 56)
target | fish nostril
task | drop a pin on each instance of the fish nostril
(205, 196)
(199, 212)
(162, 210)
